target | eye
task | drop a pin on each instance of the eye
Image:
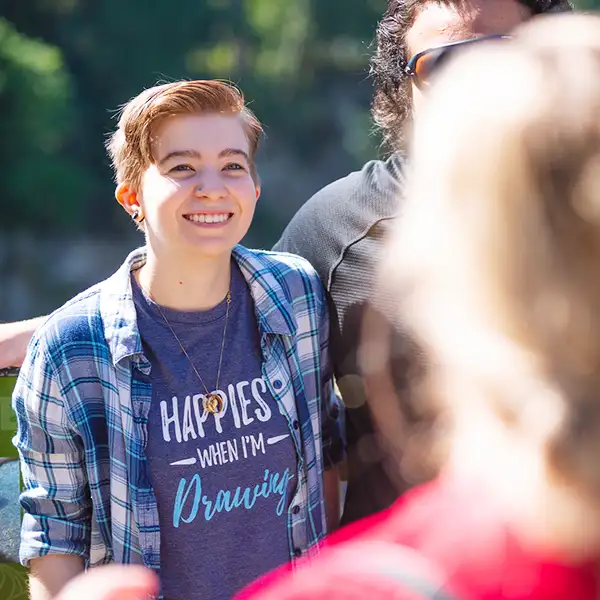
(234, 167)
(181, 169)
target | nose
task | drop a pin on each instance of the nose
(210, 186)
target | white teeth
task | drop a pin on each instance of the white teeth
(204, 218)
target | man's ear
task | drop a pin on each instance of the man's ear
(258, 190)
(127, 198)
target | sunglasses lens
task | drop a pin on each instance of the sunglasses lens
(429, 63)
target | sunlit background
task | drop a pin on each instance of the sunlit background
(66, 65)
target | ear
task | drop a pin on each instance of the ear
(128, 199)
(258, 190)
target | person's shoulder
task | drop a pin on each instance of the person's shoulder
(376, 182)
(357, 569)
(287, 283)
(286, 262)
(72, 322)
(376, 176)
(342, 211)
(283, 266)
(81, 319)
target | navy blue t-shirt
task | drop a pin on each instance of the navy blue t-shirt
(223, 482)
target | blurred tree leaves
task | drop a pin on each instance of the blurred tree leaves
(37, 118)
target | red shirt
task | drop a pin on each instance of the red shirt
(466, 545)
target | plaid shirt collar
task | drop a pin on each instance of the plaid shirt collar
(272, 301)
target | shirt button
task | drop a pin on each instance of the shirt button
(295, 424)
(296, 510)
(297, 552)
(277, 384)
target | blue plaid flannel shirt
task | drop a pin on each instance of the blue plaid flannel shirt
(82, 400)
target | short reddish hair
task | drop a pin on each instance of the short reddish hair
(130, 146)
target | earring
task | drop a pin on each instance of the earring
(136, 216)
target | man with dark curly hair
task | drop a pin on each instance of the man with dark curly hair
(340, 229)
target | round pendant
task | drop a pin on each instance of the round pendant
(213, 403)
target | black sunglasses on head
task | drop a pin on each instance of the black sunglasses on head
(423, 65)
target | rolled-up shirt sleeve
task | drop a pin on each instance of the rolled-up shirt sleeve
(56, 499)
(331, 411)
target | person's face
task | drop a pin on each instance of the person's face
(437, 24)
(198, 198)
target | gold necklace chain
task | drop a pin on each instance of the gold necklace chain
(213, 403)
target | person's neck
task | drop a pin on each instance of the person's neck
(187, 284)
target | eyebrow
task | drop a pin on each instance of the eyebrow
(197, 155)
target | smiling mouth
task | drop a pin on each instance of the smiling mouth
(206, 218)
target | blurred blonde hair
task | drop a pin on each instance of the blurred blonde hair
(496, 258)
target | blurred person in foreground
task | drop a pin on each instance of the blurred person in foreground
(494, 266)
(112, 582)
(340, 230)
(180, 414)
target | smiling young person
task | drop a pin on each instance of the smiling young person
(180, 414)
